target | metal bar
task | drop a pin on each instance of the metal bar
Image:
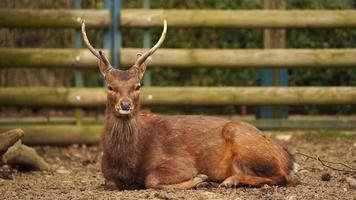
(116, 33)
(274, 38)
(107, 33)
(78, 73)
(147, 80)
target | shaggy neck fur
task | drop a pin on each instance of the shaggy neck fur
(121, 140)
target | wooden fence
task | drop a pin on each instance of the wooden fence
(182, 58)
(180, 18)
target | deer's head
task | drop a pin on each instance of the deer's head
(123, 85)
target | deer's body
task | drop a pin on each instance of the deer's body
(159, 151)
(166, 152)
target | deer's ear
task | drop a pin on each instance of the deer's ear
(141, 70)
(102, 67)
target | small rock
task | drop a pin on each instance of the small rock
(88, 161)
(63, 171)
(292, 197)
(325, 176)
(6, 172)
(303, 171)
(77, 155)
(265, 186)
(352, 182)
(284, 137)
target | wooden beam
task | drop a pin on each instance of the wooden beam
(100, 18)
(90, 134)
(47, 58)
(184, 58)
(58, 134)
(92, 97)
(239, 18)
(53, 18)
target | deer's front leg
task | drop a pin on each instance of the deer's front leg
(110, 175)
(154, 183)
(174, 175)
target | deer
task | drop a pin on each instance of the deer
(147, 150)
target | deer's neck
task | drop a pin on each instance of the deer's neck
(122, 141)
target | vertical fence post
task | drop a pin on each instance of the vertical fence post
(274, 38)
(78, 76)
(147, 81)
(107, 33)
(116, 33)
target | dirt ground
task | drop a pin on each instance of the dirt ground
(76, 175)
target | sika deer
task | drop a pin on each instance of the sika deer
(165, 152)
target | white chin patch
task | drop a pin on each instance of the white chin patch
(124, 112)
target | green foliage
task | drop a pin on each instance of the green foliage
(211, 38)
(200, 38)
(250, 38)
(329, 134)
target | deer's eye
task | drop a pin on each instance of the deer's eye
(138, 86)
(110, 88)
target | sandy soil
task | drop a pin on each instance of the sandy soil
(76, 175)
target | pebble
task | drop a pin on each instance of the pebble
(352, 182)
(325, 176)
(292, 197)
(284, 137)
(303, 171)
(63, 171)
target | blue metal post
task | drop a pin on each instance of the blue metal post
(116, 33)
(147, 81)
(107, 32)
(273, 77)
(78, 76)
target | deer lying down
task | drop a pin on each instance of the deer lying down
(167, 152)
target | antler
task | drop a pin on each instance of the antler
(144, 56)
(100, 55)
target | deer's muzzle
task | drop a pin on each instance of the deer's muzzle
(124, 107)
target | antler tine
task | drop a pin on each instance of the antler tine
(97, 54)
(143, 57)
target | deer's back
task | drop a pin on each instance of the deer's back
(212, 143)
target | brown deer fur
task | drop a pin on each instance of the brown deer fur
(165, 152)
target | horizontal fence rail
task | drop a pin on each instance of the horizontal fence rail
(239, 18)
(54, 18)
(61, 18)
(307, 122)
(58, 134)
(183, 58)
(64, 134)
(91, 97)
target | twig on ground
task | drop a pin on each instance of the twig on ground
(351, 169)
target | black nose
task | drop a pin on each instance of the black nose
(125, 105)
